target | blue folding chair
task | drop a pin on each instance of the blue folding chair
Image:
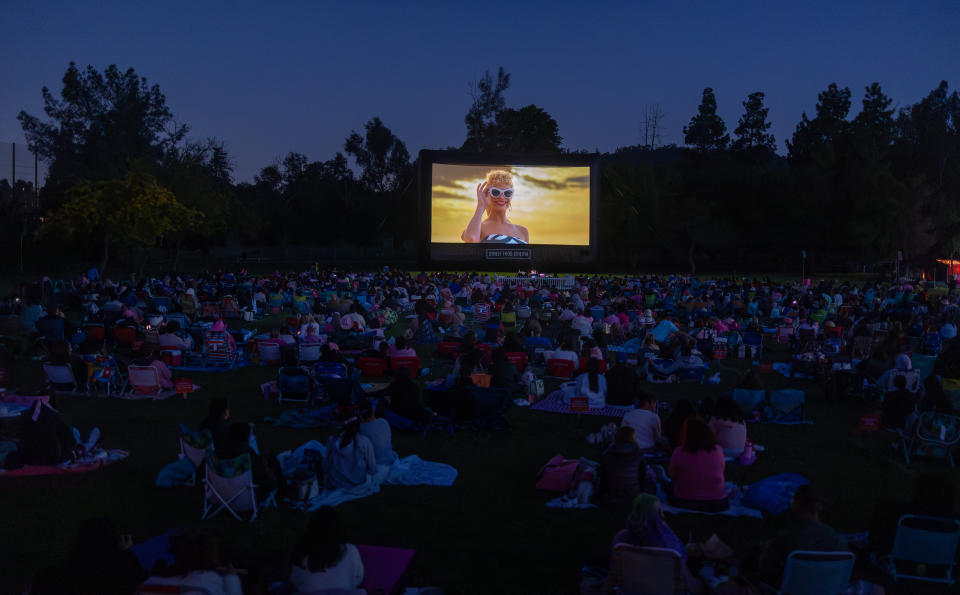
(928, 541)
(816, 573)
(749, 399)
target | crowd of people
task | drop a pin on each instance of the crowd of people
(608, 337)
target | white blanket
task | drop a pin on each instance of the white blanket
(411, 470)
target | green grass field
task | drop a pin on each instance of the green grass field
(488, 533)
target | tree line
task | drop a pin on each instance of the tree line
(125, 180)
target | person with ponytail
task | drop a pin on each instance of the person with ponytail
(593, 385)
(350, 457)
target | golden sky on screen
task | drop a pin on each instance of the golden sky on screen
(553, 203)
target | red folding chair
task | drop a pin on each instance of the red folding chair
(484, 348)
(124, 335)
(518, 359)
(447, 349)
(410, 363)
(372, 367)
(560, 368)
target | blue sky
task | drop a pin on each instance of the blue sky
(272, 77)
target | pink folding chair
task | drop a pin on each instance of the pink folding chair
(144, 380)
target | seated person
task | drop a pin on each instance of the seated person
(623, 384)
(171, 338)
(322, 559)
(645, 422)
(804, 531)
(377, 430)
(536, 340)
(565, 352)
(307, 324)
(728, 426)
(903, 366)
(686, 361)
(646, 527)
(198, 565)
(221, 327)
(61, 353)
(400, 348)
(503, 374)
(238, 442)
(593, 385)
(673, 425)
(664, 330)
(146, 356)
(899, 406)
(696, 470)
(217, 421)
(623, 470)
(934, 494)
(649, 347)
(406, 397)
(350, 458)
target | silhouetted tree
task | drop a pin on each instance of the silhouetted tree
(488, 102)
(706, 130)
(382, 157)
(752, 127)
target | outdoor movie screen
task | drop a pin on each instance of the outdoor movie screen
(510, 204)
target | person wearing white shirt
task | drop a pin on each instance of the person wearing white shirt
(563, 353)
(323, 560)
(645, 422)
(592, 385)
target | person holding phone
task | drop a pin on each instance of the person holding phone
(494, 197)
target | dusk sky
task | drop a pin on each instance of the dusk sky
(268, 78)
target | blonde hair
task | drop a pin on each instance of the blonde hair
(499, 178)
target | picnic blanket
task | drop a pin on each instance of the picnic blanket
(411, 470)
(108, 457)
(785, 369)
(14, 405)
(241, 363)
(734, 494)
(554, 403)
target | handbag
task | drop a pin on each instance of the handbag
(557, 475)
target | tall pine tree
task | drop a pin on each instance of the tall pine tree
(752, 127)
(706, 130)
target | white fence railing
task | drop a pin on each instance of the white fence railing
(566, 282)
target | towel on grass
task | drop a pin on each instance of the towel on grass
(93, 462)
(734, 494)
(411, 470)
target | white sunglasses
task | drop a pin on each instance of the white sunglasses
(496, 192)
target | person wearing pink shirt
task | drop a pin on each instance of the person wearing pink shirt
(400, 349)
(696, 470)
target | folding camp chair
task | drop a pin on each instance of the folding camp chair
(269, 354)
(276, 303)
(194, 446)
(217, 351)
(309, 353)
(300, 304)
(148, 589)
(816, 573)
(928, 541)
(518, 359)
(60, 377)
(481, 312)
(560, 368)
(785, 405)
(923, 364)
(508, 319)
(748, 399)
(228, 485)
(489, 406)
(179, 318)
(410, 363)
(372, 367)
(144, 380)
(753, 342)
(647, 570)
(934, 435)
(334, 369)
(785, 334)
(691, 374)
(585, 360)
(294, 385)
(94, 332)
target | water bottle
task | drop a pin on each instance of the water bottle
(747, 457)
(741, 352)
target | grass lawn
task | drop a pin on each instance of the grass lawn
(488, 533)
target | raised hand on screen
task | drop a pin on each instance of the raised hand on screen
(483, 199)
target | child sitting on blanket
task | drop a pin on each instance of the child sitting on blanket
(350, 458)
(323, 560)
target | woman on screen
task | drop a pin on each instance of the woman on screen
(494, 196)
